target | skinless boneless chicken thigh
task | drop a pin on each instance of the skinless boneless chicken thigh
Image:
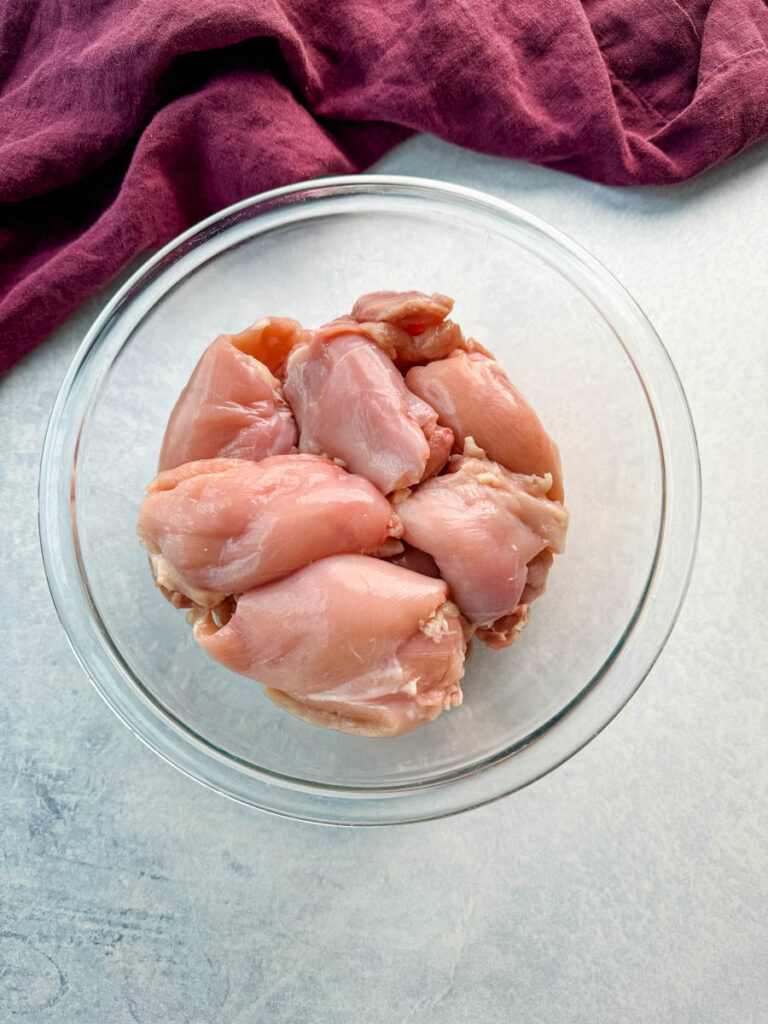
(233, 405)
(311, 516)
(350, 641)
(217, 527)
(351, 403)
(482, 525)
(409, 326)
(474, 397)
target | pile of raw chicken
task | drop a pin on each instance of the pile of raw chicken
(343, 509)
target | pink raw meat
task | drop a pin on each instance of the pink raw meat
(349, 642)
(412, 311)
(409, 326)
(351, 403)
(221, 526)
(474, 397)
(419, 561)
(298, 571)
(232, 405)
(483, 525)
(270, 340)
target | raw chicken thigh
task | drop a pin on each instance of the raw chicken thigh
(311, 516)
(474, 397)
(483, 525)
(270, 340)
(411, 558)
(412, 312)
(232, 405)
(350, 642)
(409, 326)
(221, 526)
(351, 403)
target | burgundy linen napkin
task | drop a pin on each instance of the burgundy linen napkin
(122, 122)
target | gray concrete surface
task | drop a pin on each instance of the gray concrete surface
(630, 885)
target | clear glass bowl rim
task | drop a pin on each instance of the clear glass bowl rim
(574, 726)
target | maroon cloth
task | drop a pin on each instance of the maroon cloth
(122, 122)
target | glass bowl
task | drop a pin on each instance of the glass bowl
(571, 339)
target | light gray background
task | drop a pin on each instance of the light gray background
(629, 885)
